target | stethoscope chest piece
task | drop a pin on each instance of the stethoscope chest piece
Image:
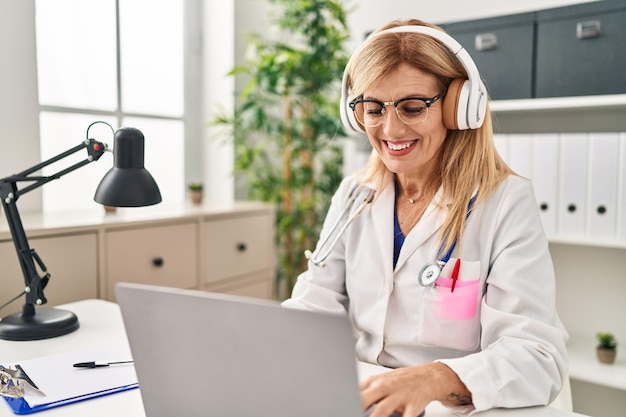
(429, 274)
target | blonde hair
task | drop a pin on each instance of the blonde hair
(469, 161)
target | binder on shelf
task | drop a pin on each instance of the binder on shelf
(621, 188)
(545, 171)
(501, 143)
(572, 184)
(63, 384)
(520, 154)
(602, 182)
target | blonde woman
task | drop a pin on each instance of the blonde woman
(445, 271)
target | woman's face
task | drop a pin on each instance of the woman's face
(414, 149)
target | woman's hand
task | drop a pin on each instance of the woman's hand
(409, 390)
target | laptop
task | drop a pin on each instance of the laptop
(207, 354)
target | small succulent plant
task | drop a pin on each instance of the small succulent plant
(606, 340)
(195, 186)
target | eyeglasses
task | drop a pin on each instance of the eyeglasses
(410, 110)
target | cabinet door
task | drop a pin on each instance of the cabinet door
(159, 255)
(545, 177)
(238, 246)
(603, 185)
(71, 261)
(573, 185)
(502, 49)
(580, 50)
(256, 286)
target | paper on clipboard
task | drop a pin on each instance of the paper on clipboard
(56, 377)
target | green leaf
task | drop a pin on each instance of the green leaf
(295, 70)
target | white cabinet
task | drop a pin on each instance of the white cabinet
(590, 269)
(560, 115)
(163, 254)
(70, 259)
(237, 254)
(227, 249)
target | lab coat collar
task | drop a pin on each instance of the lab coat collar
(382, 212)
(431, 222)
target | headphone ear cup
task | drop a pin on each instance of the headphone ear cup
(347, 116)
(453, 106)
(350, 121)
(345, 112)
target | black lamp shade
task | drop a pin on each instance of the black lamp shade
(128, 183)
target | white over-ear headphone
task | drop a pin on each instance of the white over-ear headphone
(465, 103)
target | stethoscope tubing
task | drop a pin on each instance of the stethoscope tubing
(352, 197)
(430, 272)
(426, 277)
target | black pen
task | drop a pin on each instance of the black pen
(99, 364)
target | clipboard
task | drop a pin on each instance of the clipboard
(64, 384)
(21, 407)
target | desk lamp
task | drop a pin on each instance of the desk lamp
(127, 184)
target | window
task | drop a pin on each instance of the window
(119, 61)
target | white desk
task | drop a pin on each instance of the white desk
(101, 323)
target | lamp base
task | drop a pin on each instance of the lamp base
(45, 324)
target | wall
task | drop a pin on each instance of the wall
(369, 14)
(365, 15)
(218, 48)
(19, 108)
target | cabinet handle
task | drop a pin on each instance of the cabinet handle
(571, 208)
(241, 247)
(543, 206)
(158, 262)
(485, 41)
(589, 29)
(601, 209)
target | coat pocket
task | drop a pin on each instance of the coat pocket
(457, 304)
(450, 318)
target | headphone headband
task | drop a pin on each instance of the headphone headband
(465, 104)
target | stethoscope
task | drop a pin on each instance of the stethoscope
(430, 272)
(352, 197)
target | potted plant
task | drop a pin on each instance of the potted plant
(286, 123)
(607, 347)
(195, 192)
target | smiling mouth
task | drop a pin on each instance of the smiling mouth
(401, 146)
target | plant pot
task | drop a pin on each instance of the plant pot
(195, 196)
(606, 355)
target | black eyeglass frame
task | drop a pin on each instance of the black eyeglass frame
(383, 104)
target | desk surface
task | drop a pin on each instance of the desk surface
(101, 322)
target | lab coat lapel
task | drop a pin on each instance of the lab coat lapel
(429, 224)
(382, 214)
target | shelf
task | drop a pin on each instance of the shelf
(584, 365)
(590, 103)
(585, 241)
(601, 113)
(74, 221)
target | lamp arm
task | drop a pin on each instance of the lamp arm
(34, 284)
(94, 148)
(9, 193)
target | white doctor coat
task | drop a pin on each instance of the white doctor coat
(499, 329)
